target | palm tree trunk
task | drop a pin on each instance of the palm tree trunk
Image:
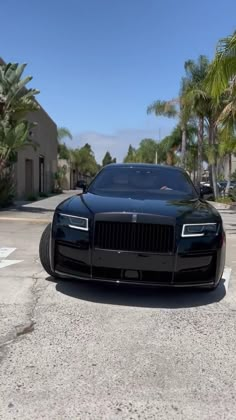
(229, 175)
(200, 146)
(183, 146)
(169, 158)
(212, 142)
(214, 181)
(194, 169)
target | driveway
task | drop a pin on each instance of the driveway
(72, 350)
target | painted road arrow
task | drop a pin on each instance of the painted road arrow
(4, 253)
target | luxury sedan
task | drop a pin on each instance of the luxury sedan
(137, 223)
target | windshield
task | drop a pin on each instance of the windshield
(128, 182)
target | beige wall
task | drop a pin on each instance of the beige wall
(71, 176)
(66, 182)
(233, 163)
(45, 135)
(224, 166)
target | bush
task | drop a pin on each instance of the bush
(59, 177)
(7, 191)
(224, 200)
(232, 194)
(32, 197)
(233, 177)
(43, 195)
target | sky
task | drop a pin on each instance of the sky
(99, 63)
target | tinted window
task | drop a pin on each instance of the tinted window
(128, 181)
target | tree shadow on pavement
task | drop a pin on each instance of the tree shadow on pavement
(137, 296)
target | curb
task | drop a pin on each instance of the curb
(222, 206)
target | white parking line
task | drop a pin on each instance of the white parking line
(226, 277)
(6, 263)
(4, 253)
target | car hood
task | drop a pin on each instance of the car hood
(189, 210)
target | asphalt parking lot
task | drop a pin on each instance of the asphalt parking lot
(71, 350)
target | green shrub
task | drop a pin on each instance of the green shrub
(7, 191)
(32, 197)
(224, 200)
(232, 194)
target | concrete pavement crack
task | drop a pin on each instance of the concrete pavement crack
(28, 327)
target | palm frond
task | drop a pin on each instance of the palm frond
(223, 67)
(63, 132)
(163, 108)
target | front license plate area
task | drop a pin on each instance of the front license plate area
(132, 261)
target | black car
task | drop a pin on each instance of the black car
(137, 223)
(207, 191)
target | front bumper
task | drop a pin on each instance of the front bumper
(196, 269)
(194, 262)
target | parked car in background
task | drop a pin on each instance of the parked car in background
(206, 191)
(80, 185)
(232, 188)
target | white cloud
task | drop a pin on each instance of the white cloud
(117, 143)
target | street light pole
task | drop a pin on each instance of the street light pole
(156, 158)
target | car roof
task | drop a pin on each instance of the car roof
(144, 165)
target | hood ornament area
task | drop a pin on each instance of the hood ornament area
(134, 218)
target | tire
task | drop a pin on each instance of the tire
(44, 250)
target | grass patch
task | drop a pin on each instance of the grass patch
(224, 200)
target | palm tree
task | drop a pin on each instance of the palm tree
(14, 139)
(172, 109)
(227, 147)
(62, 149)
(15, 100)
(181, 108)
(228, 115)
(221, 80)
(223, 67)
(63, 133)
(191, 160)
(15, 103)
(195, 75)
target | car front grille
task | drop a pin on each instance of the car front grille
(136, 237)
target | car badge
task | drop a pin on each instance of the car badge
(134, 218)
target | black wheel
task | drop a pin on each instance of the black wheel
(44, 250)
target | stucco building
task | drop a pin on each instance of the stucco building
(35, 167)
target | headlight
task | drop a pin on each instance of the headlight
(73, 222)
(200, 229)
